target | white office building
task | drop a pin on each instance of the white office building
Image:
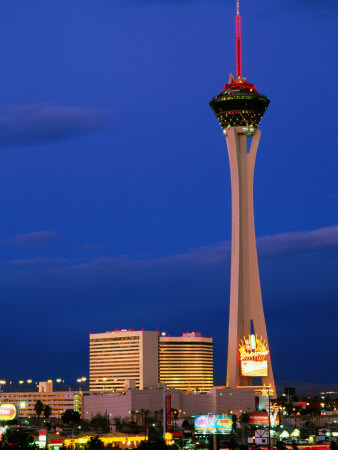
(123, 359)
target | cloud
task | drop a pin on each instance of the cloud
(216, 255)
(206, 256)
(90, 248)
(32, 124)
(298, 241)
(37, 262)
(30, 240)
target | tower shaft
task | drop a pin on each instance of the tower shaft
(246, 307)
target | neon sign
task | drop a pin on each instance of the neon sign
(253, 352)
(8, 411)
(253, 349)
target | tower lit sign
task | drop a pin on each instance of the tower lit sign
(253, 353)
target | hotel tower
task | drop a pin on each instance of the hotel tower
(239, 109)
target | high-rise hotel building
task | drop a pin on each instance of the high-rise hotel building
(115, 357)
(186, 362)
(141, 359)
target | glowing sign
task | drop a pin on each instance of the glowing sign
(253, 349)
(213, 422)
(8, 411)
(253, 354)
(254, 368)
(262, 418)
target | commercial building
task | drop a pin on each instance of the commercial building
(125, 404)
(58, 401)
(186, 362)
(123, 358)
(239, 109)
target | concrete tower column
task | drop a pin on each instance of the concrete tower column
(246, 307)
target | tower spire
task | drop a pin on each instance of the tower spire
(238, 42)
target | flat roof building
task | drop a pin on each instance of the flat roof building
(123, 358)
(186, 362)
(219, 400)
(59, 401)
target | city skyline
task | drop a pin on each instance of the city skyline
(114, 177)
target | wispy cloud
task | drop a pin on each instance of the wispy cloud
(91, 248)
(44, 263)
(30, 240)
(31, 124)
(215, 255)
(298, 241)
(206, 256)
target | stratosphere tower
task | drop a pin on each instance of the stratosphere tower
(239, 109)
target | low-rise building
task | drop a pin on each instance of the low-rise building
(124, 404)
(59, 401)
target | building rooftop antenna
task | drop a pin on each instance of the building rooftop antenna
(238, 42)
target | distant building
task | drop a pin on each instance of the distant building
(117, 358)
(186, 362)
(58, 401)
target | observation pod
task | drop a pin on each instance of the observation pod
(239, 105)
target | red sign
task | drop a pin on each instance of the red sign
(169, 413)
(258, 418)
(262, 418)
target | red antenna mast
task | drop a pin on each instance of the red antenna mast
(238, 42)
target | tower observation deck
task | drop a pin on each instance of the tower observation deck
(239, 109)
(239, 104)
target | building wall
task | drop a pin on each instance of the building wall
(149, 359)
(122, 355)
(186, 362)
(119, 404)
(233, 400)
(152, 399)
(114, 404)
(58, 401)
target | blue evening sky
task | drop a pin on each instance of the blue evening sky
(115, 184)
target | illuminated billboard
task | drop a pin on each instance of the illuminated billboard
(254, 368)
(221, 423)
(8, 412)
(253, 353)
(262, 418)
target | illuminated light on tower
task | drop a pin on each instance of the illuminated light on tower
(239, 109)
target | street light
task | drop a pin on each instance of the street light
(81, 380)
